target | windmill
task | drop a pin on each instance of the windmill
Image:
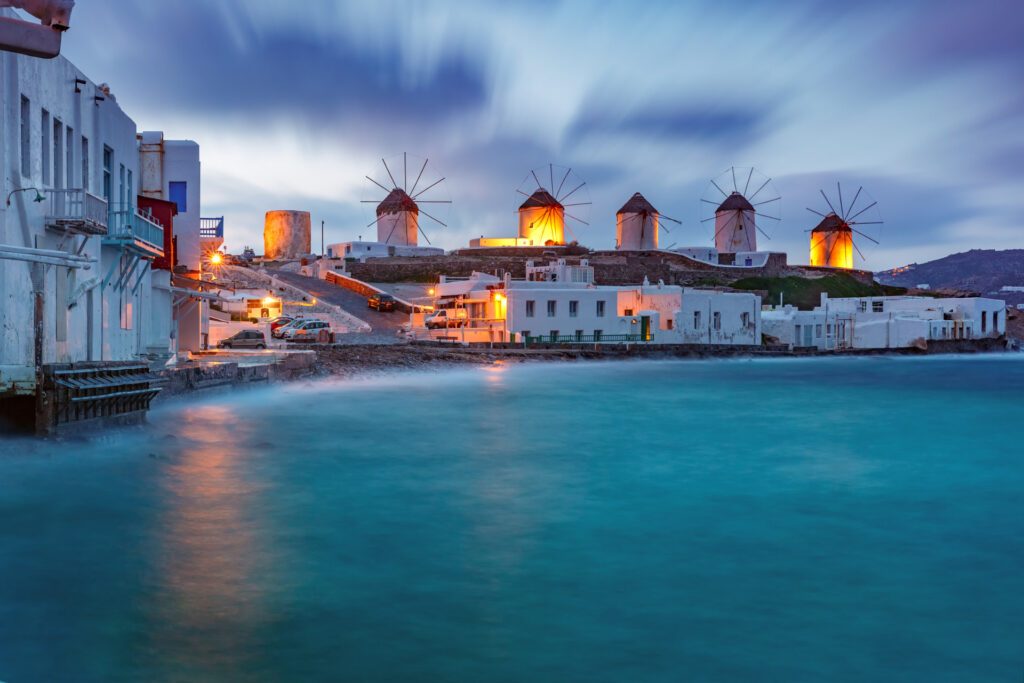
(637, 225)
(542, 215)
(832, 240)
(398, 213)
(739, 198)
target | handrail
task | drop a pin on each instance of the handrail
(582, 339)
(211, 227)
(75, 204)
(128, 222)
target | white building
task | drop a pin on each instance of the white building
(76, 254)
(560, 303)
(361, 251)
(885, 322)
(171, 171)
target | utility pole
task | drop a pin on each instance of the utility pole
(321, 239)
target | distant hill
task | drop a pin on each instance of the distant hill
(983, 271)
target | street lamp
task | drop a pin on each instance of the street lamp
(38, 198)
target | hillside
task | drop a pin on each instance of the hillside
(979, 270)
(805, 293)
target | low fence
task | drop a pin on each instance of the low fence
(360, 287)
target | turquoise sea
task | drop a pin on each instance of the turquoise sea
(769, 520)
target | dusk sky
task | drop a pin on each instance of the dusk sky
(920, 102)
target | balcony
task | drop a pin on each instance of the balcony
(211, 232)
(76, 211)
(130, 227)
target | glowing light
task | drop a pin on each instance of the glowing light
(269, 301)
(216, 258)
(430, 291)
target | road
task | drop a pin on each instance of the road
(384, 325)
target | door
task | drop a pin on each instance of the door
(808, 335)
(645, 328)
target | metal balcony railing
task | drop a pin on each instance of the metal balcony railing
(211, 228)
(584, 339)
(76, 209)
(128, 224)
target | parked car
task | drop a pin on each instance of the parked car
(246, 339)
(279, 332)
(309, 331)
(381, 302)
(280, 321)
(446, 317)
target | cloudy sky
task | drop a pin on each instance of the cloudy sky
(921, 103)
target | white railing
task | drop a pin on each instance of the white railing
(76, 205)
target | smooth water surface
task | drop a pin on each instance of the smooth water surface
(784, 520)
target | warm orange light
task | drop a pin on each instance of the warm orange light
(430, 291)
(269, 300)
(832, 249)
(216, 258)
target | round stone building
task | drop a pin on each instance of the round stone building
(286, 234)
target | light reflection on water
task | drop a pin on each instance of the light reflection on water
(783, 520)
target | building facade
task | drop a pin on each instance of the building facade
(886, 322)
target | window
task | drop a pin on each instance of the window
(108, 165)
(668, 324)
(579, 335)
(600, 309)
(696, 320)
(529, 308)
(120, 188)
(984, 322)
(877, 306)
(58, 153)
(554, 335)
(178, 192)
(69, 149)
(574, 309)
(526, 334)
(628, 312)
(995, 321)
(85, 163)
(716, 320)
(828, 329)
(45, 147)
(552, 308)
(745, 319)
(817, 331)
(26, 137)
(597, 335)
(131, 189)
(862, 306)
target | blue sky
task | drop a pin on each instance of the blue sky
(920, 102)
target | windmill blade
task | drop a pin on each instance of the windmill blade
(375, 220)
(865, 222)
(428, 187)
(567, 172)
(764, 215)
(858, 251)
(579, 204)
(405, 171)
(669, 218)
(726, 224)
(423, 233)
(817, 212)
(434, 201)
(523, 193)
(576, 219)
(724, 193)
(849, 209)
(560, 200)
(746, 186)
(419, 175)
(842, 211)
(734, 188)
(827, 201)
(433, 219)
(767, 201)
(393, 227)
(389, 173)
(867, 237)
(819, 242)
(711, 218)
(861, 211)
(760, 230)
(764, 185)
(571, 233)
(377, 184)
(551, 174)
(708, 201)
(540, 185)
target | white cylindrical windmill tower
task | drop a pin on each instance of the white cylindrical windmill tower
(398, 219)
(636, 225)
(735, 226)
(542, 219)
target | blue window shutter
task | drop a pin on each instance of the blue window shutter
(179, 194)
